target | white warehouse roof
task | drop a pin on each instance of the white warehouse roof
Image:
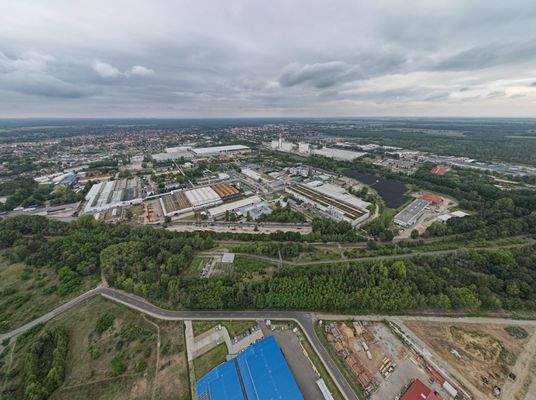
(338, 193)
(202, 196)
(203, 151)
(220, 210)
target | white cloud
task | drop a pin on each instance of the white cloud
(105, 70)
(141, 70)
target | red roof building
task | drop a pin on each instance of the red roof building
(432, 198)
(439, 170)
(419, 391)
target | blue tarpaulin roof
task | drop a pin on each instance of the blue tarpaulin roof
(260, 372)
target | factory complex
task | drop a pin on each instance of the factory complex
(185, 152)
(331, 199)
(259, 372)
(183, 201)
(105, 195)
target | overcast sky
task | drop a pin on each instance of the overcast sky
(220, 58)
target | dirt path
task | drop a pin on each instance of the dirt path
(157, 364)
(522, 369)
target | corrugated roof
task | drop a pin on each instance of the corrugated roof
(260, 372)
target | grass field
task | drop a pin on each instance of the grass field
(209, 360)
(234, 328)
(28, 294)
(118, 363)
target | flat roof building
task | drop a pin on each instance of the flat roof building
(216, 150)
(338, 154)
(411, 214)
(419, 391)
(259, 372)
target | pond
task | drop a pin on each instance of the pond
(391, 190)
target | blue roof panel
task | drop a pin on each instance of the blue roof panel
(260, 371)
(221, 382)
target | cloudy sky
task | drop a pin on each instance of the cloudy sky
(216, 58)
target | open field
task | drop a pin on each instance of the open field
(26, 294)
(485, 355)
(234, 328)
(209, 360)
(112, 355)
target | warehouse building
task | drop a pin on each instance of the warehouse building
(255, 210)
(411, 214)
(183, 201)
(219, 150)
(419, 391)
(331, 199)
(105, 195)
(338, 154)
(220, 210)
(259, 372)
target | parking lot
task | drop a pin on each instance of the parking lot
(298, 362)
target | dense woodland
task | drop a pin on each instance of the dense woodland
(150, 262)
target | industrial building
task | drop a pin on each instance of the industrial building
(259, 372)
(105, 195)
(419, 391)
(183, 201)
(439, 170)
(338, 154)
(254, 210)
(331, 199)
(411, 214)
(220, 210)
(219, 150)
(175, 153)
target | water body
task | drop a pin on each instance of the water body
(391, 190)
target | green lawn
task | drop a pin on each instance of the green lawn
(234, 328)
(209, 360)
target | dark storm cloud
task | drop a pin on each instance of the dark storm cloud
(202, 57)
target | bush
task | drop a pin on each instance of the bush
(118, 366)
(104, 323)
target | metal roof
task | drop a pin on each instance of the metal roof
(259, 372)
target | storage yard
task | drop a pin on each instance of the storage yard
(377, 360)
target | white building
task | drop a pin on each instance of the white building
(218, 150)
(303, 148)
(338, 154)
(223, 208)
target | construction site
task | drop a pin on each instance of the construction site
(491, 359)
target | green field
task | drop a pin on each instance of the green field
(117, 363)
(209, 360)
(234, 328)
